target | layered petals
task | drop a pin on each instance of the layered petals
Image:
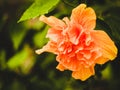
(107, 46)
(84, 73)
(77, 45)
(84, 16)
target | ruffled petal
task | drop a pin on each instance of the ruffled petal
(84, 16)
(54, 35)
(106, 45)
(71, 63)
(53, 22)
(49, 47)
(101, 60)
(60, 67)
(84, 73)
(75, 32)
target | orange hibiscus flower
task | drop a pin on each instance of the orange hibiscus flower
(77, 45)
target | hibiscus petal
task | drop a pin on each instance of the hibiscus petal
(71, 63)
(84, 16)
(54, 34)
(84, 73)
(102, 60)
(107, 46)
(53, 22)
(49, 47)
(60, 67)
(74, 33)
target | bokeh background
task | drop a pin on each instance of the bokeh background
(22, 69)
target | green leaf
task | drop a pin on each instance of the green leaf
(17, 33)
(39, 39)
(2, 59)
(110, 23)
(39, 7)
(107, 72)
(23, 61)
(111, 17)
(102, 25)
(72, 3)
(48, 60)
(17, 59)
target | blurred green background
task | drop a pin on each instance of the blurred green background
(22, 69)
